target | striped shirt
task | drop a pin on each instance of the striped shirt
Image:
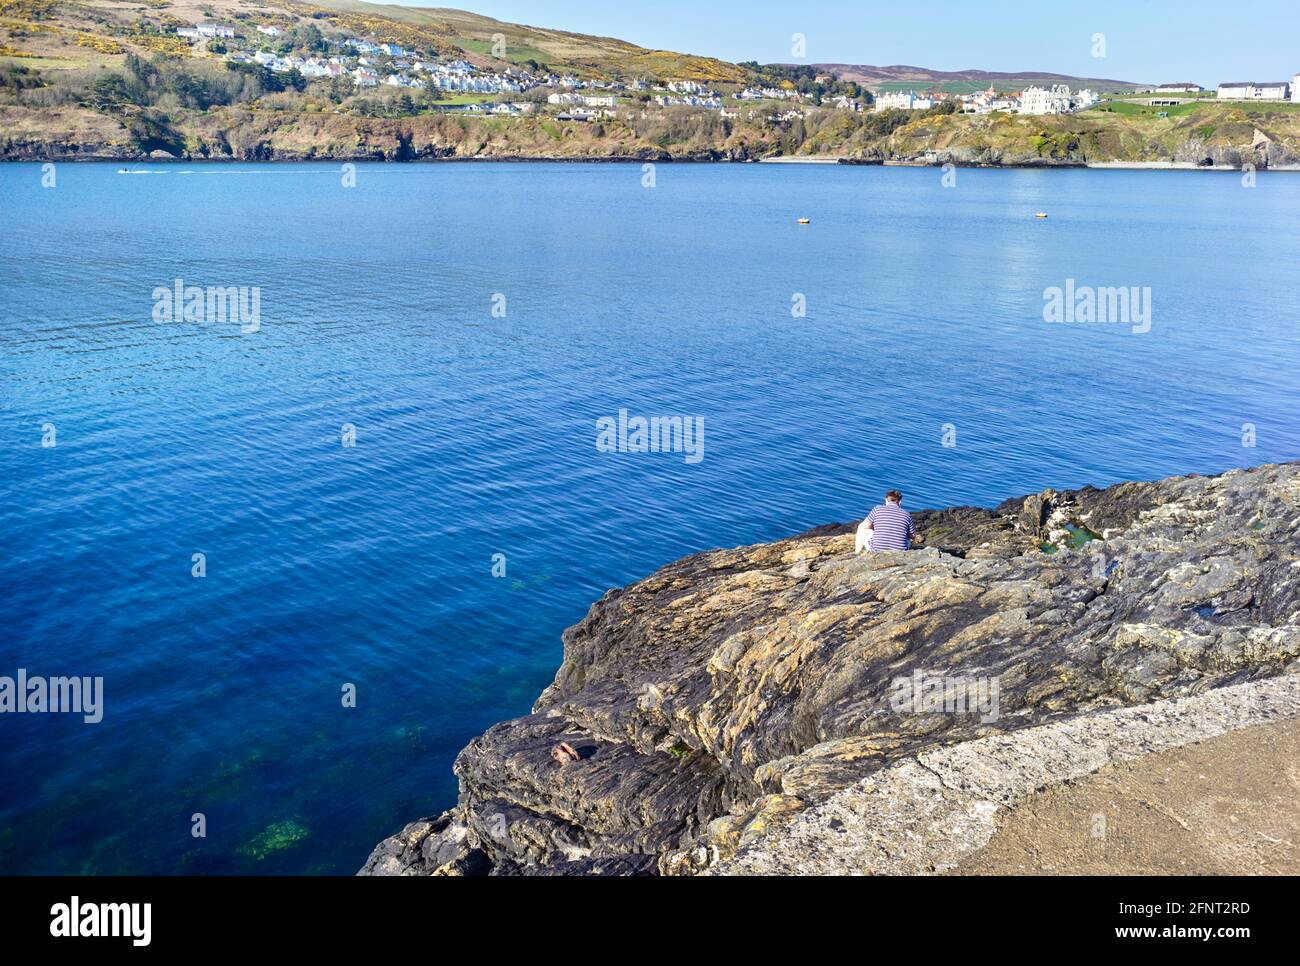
(892, 527)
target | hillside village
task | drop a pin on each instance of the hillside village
(259, 78)
(366, 62)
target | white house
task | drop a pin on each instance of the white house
(401, 80)
(1255, 91)
(582, 100)
(903, 100)
(689, 100)
(1180, 88)
(1040, 100)
(269, 29)
(759, 93)
(214, 30)
(1295, 89)
(365, 77)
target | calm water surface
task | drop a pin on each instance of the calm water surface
(475, 436)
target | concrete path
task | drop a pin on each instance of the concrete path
(1226, 806)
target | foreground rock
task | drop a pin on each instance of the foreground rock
(719, 704)
(939, 810)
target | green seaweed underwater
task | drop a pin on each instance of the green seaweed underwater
(275, 838)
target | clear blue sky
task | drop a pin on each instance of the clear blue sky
(1146, 40)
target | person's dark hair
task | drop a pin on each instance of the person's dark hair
(895, 496)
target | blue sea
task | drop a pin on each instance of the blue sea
(465, 326)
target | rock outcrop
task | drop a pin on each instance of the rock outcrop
(1216, 135)
(732, 695)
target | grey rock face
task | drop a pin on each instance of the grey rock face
(718, 700)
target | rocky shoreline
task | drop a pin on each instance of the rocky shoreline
(237, 134)
(741, 709)
(91, 153)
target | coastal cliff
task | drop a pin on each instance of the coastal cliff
(737, 709)
(1214, 136)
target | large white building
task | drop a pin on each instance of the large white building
(204, 31)
(1295, 89)
(1040, 100)
(215, 30)
(567, 99)
(1255, 91)
(903, 100)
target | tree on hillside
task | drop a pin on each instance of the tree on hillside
(308, 37)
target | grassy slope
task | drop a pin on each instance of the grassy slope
(54, 26)
(1095, 135)
(1017, 83)
(901, 77)
(558, 49)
